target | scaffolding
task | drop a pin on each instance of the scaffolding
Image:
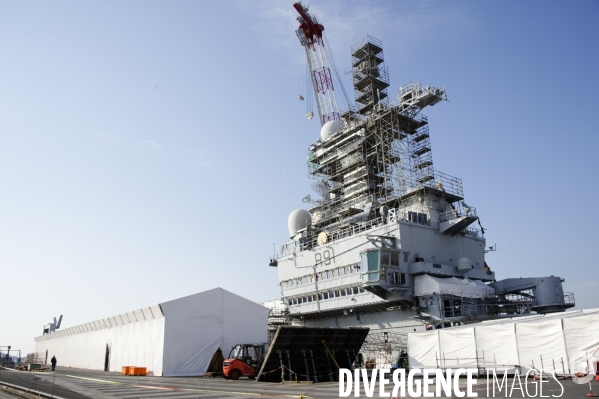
(10, 358)
(369, 75)
(382, 350)
(278, 316)
(383, 153)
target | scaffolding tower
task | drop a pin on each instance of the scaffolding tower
(369, 74)
(384, 151)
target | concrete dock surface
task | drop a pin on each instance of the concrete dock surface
(81, 384)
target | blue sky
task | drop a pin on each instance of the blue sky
(151, 150)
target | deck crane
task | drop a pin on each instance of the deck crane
(311, 38)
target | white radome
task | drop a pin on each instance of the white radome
(464, 264)
(298, 220)
(329, 129)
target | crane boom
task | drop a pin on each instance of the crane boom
(310, 36)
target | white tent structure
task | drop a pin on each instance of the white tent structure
(176, 338)
(558, 341)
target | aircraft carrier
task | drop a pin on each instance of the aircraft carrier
(391, 243)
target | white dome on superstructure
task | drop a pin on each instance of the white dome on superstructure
(298, 220)
(464, 264)
(330, 128)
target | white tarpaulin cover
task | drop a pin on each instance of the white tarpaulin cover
(458, 351)
(496, 345)
(428, 285)
(582, 339)
(197, 325)
(176, 338)
(554, 341)
(541, 344)
(423, 349)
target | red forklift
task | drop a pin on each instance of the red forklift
(245, 360)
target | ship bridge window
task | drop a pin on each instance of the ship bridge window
(385, 258)
(390, 258)
(418, 217)
(372, 264)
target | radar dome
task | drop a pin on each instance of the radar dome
(464, 264)
(330, 128)
(298, 220)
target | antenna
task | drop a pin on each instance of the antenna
(273, 260)
(492, 248)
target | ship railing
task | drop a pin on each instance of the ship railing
(474, 309)
(569, 298)
(394, 216)
(443, 182)
(471, 231)
(345, 231)
(454, 214)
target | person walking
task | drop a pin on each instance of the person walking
(53, 361)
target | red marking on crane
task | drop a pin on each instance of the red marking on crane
(309, 27)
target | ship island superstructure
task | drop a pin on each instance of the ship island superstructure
(391, 243)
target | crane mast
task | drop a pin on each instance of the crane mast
(310, 36)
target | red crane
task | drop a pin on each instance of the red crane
(310, 36)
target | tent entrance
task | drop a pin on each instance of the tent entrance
(216, 364)
(107, 359)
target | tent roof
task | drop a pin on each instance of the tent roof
(147, 313)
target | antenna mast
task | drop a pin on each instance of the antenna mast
(310, 36)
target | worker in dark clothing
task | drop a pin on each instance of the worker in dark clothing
(403, 359)
(53, 361)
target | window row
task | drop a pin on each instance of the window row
(326, 295)
(324, 275)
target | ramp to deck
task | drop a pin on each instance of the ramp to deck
(311, 353)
